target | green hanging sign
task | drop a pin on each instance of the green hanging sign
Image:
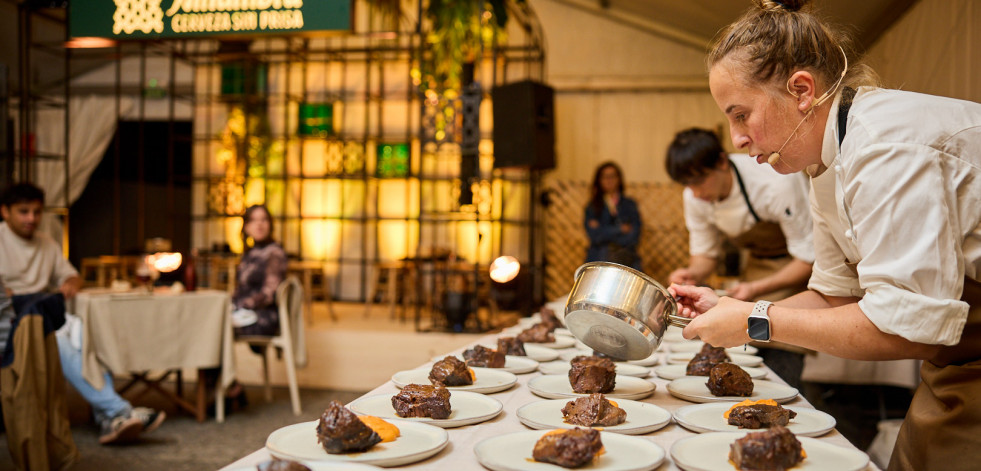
(151, 19)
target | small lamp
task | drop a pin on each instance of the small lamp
(164, 262)
(504, 269)
(510, 286)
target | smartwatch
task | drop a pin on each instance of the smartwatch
(758, 322)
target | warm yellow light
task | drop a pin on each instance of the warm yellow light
(164, 262)
(504, 269)
(89, 42)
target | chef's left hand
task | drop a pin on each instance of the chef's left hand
(743, 291)
(722, 326)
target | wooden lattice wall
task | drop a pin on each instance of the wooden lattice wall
(663, 239)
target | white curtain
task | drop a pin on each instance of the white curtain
(92, 125)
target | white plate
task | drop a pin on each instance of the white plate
(325, 466)
(488, 380)
(512, 452)
(540, 353)
(562, 368)
(641, 417)
(465, 408)
(416, 442)
(693, 388)
(558, 387)
(561, 341)
(676, 371)
(649, 361)
(534, 351)
(673, 334)
(512, 364)
(708, 418)
(710, 452)
(696, 345)
(563, 331)
(740, 359)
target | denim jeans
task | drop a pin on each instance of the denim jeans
(106, 403)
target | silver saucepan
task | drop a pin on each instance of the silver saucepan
(619, 311)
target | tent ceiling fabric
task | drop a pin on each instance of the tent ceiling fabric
(689, 22)
(700, 20)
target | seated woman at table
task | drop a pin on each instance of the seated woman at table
(262, 269)
(259, 273)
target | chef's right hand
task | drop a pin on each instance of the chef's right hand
(693, 300)
(681, 276)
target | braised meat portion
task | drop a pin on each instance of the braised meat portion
(727, 379)
(717, 354)
(569, 448)
(591, 410)
(774, 449)
(703, 361)
(699, 366)
(281, 465)
(549, 319)
(483, 356)
(422, 400)
(511, 346)
(538, 333)
(760, 416)
(603, 355)
(341, 431)
(450, 371)
(590, 374)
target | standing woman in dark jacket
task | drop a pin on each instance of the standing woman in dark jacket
(612, 220)
(261, 270)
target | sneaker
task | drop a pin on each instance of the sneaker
(121, 429)
(150, 418)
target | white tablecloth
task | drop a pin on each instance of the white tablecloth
(136, 332)
(459, 456)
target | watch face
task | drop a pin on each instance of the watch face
(759, 328)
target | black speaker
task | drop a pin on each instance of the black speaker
(524, 125)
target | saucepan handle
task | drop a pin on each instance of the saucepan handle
(678, 321)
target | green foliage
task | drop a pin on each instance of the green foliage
(459, 32)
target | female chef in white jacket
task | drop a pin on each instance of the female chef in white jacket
(896, 202)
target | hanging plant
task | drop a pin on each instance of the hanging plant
(459, 31)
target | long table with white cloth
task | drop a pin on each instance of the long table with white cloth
(459, 454)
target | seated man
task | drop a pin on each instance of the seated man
(33, 269)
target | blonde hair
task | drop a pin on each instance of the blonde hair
(776, 38)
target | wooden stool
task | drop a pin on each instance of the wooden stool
(395, 281)
(106, 268)
(306, 270)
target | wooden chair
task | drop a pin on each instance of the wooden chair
(290, 341)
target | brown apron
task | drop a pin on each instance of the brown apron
(942, 429)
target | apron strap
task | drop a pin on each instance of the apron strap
(847, 96)
(742, 187)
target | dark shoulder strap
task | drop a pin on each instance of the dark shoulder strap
(847, 95)
(743, 188)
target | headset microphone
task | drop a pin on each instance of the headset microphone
(775, 156)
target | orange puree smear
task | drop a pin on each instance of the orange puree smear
(747, 402)
(385, 430)
(614, 403)
(473, 376)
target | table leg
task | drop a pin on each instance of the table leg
(197, 408)
(202, 398)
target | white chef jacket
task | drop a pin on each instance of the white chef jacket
(776, 198)
(903, 200)
(32, 266)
